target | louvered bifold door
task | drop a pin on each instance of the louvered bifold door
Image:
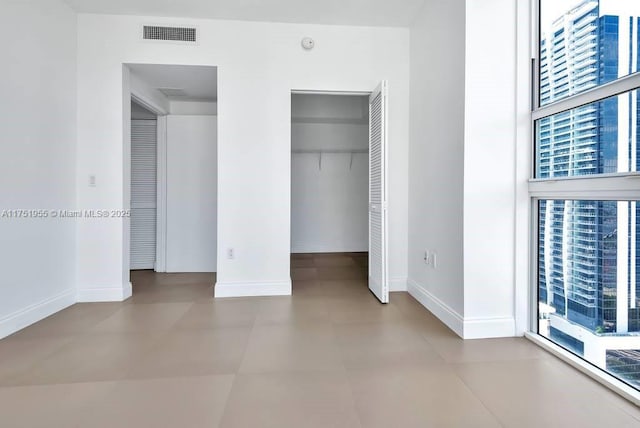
(143, 193)
(378, 258)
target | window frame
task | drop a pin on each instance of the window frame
(623, 186)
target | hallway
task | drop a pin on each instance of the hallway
(328, 356)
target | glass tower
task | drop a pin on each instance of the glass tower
(588, 250)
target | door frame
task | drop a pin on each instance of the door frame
(321, 92)
(368, 94)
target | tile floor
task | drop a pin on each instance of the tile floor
(329, 356)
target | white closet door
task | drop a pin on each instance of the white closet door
(378, 257)
(143, 193)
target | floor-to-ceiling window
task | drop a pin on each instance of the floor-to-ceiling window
(586, 191)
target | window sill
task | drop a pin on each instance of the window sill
(596, 374)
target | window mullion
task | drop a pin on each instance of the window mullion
(622, 85)
(622, 187)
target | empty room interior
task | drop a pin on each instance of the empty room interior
(287, 213)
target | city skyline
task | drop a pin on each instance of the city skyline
(588, 250)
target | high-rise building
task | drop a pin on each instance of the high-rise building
(588, 250)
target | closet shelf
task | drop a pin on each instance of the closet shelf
(320, 152)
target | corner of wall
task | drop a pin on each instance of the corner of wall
(440, 309)
(104, 294)
(398, 284)
(46, 61)
(436, 171)
(466, 328)
(38, 311)
(486, 328)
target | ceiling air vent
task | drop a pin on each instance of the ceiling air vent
(173, 34)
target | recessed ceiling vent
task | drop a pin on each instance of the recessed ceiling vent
(172, 34)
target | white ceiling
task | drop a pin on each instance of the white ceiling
(384, 13)
(197, 83)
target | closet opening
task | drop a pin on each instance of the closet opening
(329, 192)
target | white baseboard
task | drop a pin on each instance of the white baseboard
(467, 328)
(248, 289)
(444, 312)
(104, 294)
(189, 269)
(398, 284)
(328, 249)
(36, 312)
(485, 328)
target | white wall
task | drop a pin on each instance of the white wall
(191, 193)
(259, 64)
(437, 158)
(37, 159)
(329, 192)
(342, 107)
(463, 164)
(194, 107)
(490, 168)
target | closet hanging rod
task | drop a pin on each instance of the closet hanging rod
(319, 151)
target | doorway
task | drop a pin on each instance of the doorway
(173, 178)
(338, 197)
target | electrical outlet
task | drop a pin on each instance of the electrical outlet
(231, 254)
(430, 258)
